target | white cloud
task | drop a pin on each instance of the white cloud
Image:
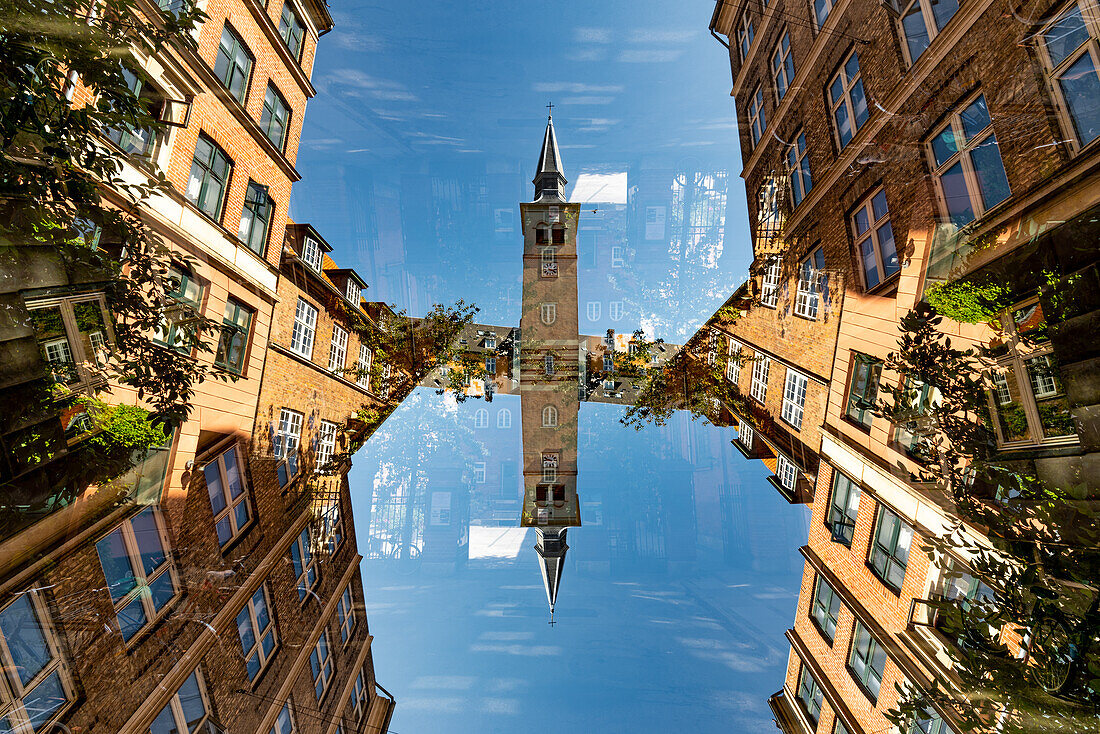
(500, 705)
(600, 187)
(577, 88)
(370, 86)
(447, 682)
(589, 99)
(592, 35)
(589, 54)
(519, 650)
(643, 35)
(641, 56)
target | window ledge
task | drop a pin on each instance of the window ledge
(813, 623)
(863, 689)
(885, 584)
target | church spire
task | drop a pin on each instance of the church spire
(550, 175)
(551, 548)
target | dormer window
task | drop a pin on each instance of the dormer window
(311, 253)
(353, 292)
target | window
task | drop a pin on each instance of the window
(256, 630)
(616, 256)
(332, 527)
(825, 608)
(967, 166)
(809, 694)
(70, 335)
(609, 362)
(275, 117)
(129, 138)
(609, 338)
(848, 102)
(549, 467)
(233, 64)
(285, 445)
(209, 179)
(549, 313)
(811, 281)
(615, 310)
(890, 549)
(874, 239)
(549, 416)
(504, 418)
(490, 366)
(188, 712)
(177, 329)
(769, 288)
(920, 398)
(929, 722)
(593, 311)
(491, 341)
(843, 509)
(256, 218)
(712, 347)
(757, 122)
(305, 326)
(867, 661)
(139, 571)
(744, 434)
(794, 398)
(782, 67)
(326, 444)
(821, 11)
(292, 31)
(479, 472)
(366, 356)
(225, 484)
(786, 472)
(839, 728)
(609, 384)
(284, 722)
(798, 165)
(236, 326)
(542, 232)
(320, 663)
(760, 367)
(558, 233)
(481, 418)
(744, 35)
(1072, 57)
(863, 389)
(304, 562)
(338, 351)
(345, 614)
(549, 262)
(921, 21)
(31, 666)
(360, 697)
(1029, 400)
(353, 292)
(311, 253)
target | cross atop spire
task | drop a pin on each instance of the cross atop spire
(550, 106)
(550, 175)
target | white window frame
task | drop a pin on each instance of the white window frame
(592, 311)
(332, 527)
(141, 591)
(617, 256)
(871, 237)
(798, 166)
(175, 707)
(1090, 13)
(786, 471)
(366, 358)
(360, 697)
(504, 418)
(491, 366)
(760, 369)
(845, 101)
(548, 364)
(285, 724)
(231, 509)
(258, 635)
(338, 350)
(794, 398)
(306, 571)
(548, 313)
(769, 286)
(481, 418)
(549, 416)
(345, 615)
(745, 35)
(305, 328)
(930, 26)
(15, 692)
(781, 79)
(807, 298)
(745, 434)
(615, 310)
(757, 121)
(321, 665)
(288, 436)
(479, 472)
(326, 444)
(311, 253)
(822, 8)
(733, 365)
(353, 292)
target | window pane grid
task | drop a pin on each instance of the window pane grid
(256, 630)
(139, 571)
(345, 612)
(228, 494)
(890, 549)
(320, 661)
(759, 389)
(757, 123)
(769, 290)
(733, 366)
(794, 398)
(326, 444)
(867, 661)
(338, 351)
(809, 695)
(798, 165)
(874, 240)
(366, 356)
(843, 508)
(848, 101)
(32, 665)
(305, 564)
(305, 325)
(233, 64)
(210, 169)
(967, 164)
(782, 66)
(311, 253)
(826, 608)
(292, 31)
(256, 218)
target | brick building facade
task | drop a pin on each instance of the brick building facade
(912, 144)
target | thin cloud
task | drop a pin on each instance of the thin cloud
(660, 36)
(590, 99)
(592, 35)
(646, 56)
(577, 88)
(590, 54)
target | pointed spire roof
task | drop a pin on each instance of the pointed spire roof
(550, 175)
(551, 547)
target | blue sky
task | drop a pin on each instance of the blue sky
(416, 151)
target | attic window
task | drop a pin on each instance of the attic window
(353, 292)
(311, 253)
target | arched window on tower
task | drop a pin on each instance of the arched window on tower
(542, 233)
(504, 418)
(559, 234)
(549, 416)
(481, 418)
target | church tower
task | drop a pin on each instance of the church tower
(550, 363)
